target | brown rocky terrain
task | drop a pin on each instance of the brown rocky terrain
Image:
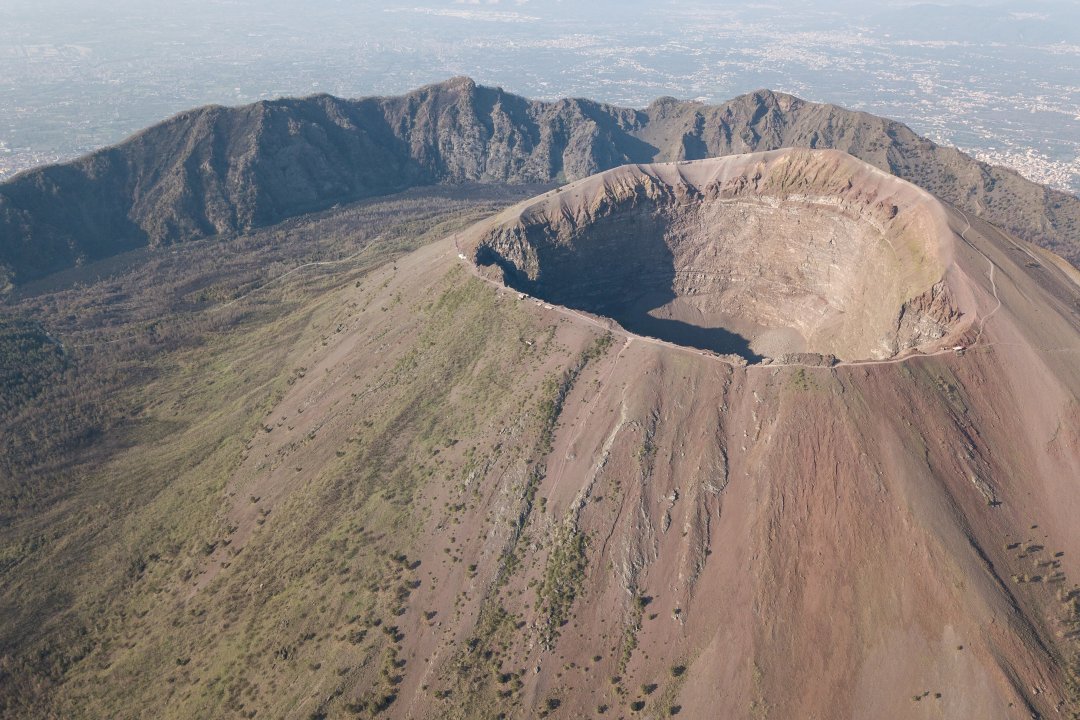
(813, 539)
(217, 170)
(761, 255)
(401, 489)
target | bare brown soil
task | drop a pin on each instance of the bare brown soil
(889, 538)
(465, 503)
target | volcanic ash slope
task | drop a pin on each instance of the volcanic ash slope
(892, 536)
(462, 503)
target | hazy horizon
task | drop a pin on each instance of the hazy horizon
(993, 78)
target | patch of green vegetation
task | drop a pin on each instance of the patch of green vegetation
(630, 630)
(800, 380)
(759, 706)
(112, 605)
(480, 684)
(563, 581)
(598, 348)
(646, 451)
(665, 704)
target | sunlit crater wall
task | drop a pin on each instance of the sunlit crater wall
(761, 255)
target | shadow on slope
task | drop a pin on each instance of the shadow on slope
(715, 339)
(625, 288)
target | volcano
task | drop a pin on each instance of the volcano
(761, 255)
(772, 435)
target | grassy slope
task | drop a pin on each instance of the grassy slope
(93, 594)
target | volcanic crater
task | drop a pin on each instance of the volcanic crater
(763, 256)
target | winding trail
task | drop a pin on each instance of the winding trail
(993, 283)
(298, 268)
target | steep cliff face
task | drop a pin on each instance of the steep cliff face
(761, 255)
(219, 170)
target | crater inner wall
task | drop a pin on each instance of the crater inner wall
(734, 271)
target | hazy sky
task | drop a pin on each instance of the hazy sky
(77, 74)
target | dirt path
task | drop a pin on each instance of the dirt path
(296, 269)
(993, 283)
(216, 308)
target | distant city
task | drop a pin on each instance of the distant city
(1001, 82)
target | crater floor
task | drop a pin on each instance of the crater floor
(762, 255)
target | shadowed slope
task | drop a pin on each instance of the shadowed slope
(221, 170)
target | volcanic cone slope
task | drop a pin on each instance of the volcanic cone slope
(760, 255)
(385, 486)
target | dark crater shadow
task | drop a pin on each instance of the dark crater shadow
(718, 340)
(622, 284)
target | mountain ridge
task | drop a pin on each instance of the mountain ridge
(218, 170)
